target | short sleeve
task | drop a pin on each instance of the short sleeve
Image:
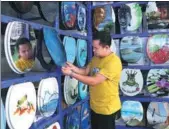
(111, 70)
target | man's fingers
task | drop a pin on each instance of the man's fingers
(68, 63)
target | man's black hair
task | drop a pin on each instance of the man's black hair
(103, 36)
(22, 41)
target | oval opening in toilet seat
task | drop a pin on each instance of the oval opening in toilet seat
(131, 49)
(55, 125)
(157, 113)
(73, 120)
(48, 96)
(132, 112)
(131, 82)
(21, 105)
(83, 90)
(158, 82)
(70, 48)
(70, 90)
(81, 17)
(3, 116)
(81, 52)
(54, 46)
(68, 14)
(85, 116)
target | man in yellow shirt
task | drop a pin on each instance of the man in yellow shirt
(26, 59)
(102, 75)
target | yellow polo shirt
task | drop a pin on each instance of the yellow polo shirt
(24, 65)
(104, 97)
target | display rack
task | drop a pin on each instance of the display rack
(144, 33)
(37, 76)
(33, 77)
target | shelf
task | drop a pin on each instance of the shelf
(118, 4)
(144, 34)
(144, 98)
(73, 33)
(69, 109)
(37, 26)
(127, 127)
(32, 76)
(144, 67)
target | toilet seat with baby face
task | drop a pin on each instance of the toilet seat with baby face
(14, 31)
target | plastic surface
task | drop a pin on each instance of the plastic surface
(48, 95)
(73, 120)
(81, 52)
(157, 113)
(85, 116)
(81, 17)
(130, 16)
(158, 48)
(157, 15)
(68, 13)
(70, 48)
(54, 46)
(131, 82)
(131, 49)
(132, 112)
(104, 18)
(14, 31)
(83, 90)
(21, 106)
(158, 82)
(70, 90)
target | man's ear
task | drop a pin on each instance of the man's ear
(107, 47)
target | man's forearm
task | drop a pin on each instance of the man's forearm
(81, 71)
(84, 79)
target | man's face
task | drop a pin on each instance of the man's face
(98, 49)
(25, 51)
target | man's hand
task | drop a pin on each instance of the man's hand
(71, 66)
(66, 70)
